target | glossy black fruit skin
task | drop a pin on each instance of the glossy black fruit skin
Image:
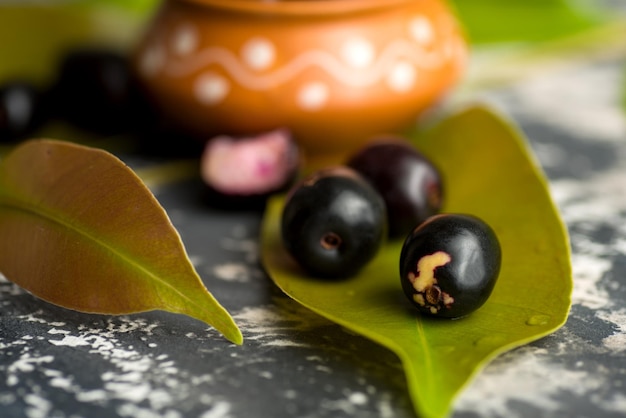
(449, 265)
(409, 183)
(22, 110)
(333, 223)
(96, 90)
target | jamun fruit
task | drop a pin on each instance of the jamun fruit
(333, 223)
(96, 90)
(22, 110)
(409, 183)
(449, 265)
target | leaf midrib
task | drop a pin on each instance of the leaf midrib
(428, 365)
(39, 211)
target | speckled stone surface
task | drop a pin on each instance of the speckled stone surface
(60, 363)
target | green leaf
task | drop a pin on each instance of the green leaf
(79, 229)
(489, 172)
(489, 21)
(139, 7)
(35, 36)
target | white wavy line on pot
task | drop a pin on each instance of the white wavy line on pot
(314, 58)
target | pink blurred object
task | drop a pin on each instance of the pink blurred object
(250, 166)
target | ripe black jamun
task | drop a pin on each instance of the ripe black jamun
(449, 265)
(22, 110)
(96, 90)
(333, 223)
(409, 183)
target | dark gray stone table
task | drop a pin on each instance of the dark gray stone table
(64, 364)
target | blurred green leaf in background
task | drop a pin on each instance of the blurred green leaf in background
(496, 21)
(34, 35)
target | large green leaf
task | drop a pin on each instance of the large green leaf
(489, 172)
(79, 229)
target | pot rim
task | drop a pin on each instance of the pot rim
(302, 8)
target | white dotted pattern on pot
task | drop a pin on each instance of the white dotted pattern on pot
(358, 64)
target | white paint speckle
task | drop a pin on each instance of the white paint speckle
(92, 396)
(7, 398)
(196, 260)
(233, 272)
(240, 231)
(221, 409)
(616, 403)
(385, 407)
(69, 341)
(323, 369)
(348, 405)
(588, 271)
(131, 377)
(135, 411)
(266, 325)
(133, 392)
(615, 343)
(249, 247)
(525, 376)
(25, 364)
(38, 406)
(266, 375)
(358, 398)
(60, 381)
(57, 331)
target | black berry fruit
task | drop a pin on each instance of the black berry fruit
(449, 265)
(22, 110)
(409, 183)
(333, 223)
(97, 90)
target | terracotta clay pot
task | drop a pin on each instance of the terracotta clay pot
(334, 72)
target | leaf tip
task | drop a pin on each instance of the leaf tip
(235, 336)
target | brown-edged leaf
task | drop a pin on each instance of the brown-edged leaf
(79, 229)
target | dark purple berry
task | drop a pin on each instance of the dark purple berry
(96, 90)
(333, 223)
(22, 110)
(449, 265)
(409, 183)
